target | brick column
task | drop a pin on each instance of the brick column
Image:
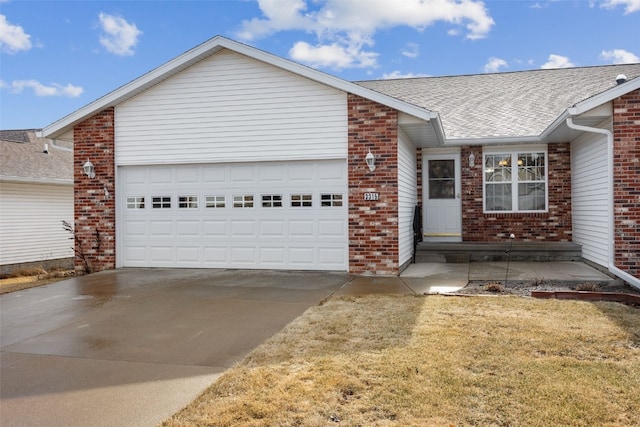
(373, 225)
(94, 198)
(626, 175)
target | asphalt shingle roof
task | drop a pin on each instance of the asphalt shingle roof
(512, 104)
(22, 158)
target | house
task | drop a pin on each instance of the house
(230, 157)
(36, 195)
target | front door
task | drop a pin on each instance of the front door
(441, 196)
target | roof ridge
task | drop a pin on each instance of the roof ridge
(547, 70)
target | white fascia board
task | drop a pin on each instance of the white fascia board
(604, 97)
(206, 49)
(41, 181)
(494, 140)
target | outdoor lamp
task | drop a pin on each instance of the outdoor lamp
(371, 161)
(89, 170)
(472, 160)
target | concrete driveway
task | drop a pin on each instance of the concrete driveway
(133, 346)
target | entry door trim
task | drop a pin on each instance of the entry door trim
(449, 211)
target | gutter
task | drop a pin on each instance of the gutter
(634, 281)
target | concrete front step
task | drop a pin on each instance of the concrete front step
(514, 250)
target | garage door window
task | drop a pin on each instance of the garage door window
(188, 202)
(161, 202)
(331, 200)
(136, 202)
(272, 201)
(214, 202)
(301, 200)
(243, 201)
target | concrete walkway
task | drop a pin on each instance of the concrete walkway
(439, 277)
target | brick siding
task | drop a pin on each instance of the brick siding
(373, 225)
(554, 225)
(94, 199)
(626, 160)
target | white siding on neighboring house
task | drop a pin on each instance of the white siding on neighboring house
(589, 197)
(31, 226)
(407, 195)
(231, 108)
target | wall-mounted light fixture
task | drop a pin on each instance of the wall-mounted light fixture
(89, 170)
(472, 160)
(371, 161)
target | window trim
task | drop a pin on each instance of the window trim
(188, 202)
(161, 204)
(298, 201)
(244, 203)
(135, 202)
(513, 151)
(212, 201)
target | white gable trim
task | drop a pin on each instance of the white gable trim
(604, 97)
(209, 48)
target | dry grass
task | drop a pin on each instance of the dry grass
(436, 361)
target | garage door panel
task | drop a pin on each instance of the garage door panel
(273, 256)
(215, 256)
(135, 228)
(331, 228)
(241, 256)
(302, 228)
(272, 229)
(277, 220)
(243, 228)
(188, 254)
(160, 228)
(302, 256)
(215, 228)
(160, 254)
(160, 175)
(187, 228)
(187, 175)
(331, 256)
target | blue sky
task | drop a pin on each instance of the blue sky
(57, 56)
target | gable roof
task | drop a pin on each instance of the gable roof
(201, 52)
(502, 105)
(24, 159)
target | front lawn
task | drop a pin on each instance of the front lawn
(436, 361)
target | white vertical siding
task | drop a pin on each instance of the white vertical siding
(232, 108)
(407, 195)
(589, 197)
(31, 222)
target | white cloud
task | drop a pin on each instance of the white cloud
(630, 6)
(347, 27)
(557, 61)
(119, 36)
(494, 65)
(12, 37)
(332, 55)
(411, 50)
(619, 56)
(55, 89)
(400, 75)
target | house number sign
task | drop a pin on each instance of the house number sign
(372, 196)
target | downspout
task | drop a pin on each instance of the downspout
(634, 281)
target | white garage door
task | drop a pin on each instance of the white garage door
(271, 215)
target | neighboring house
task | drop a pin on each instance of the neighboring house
(36, 195)
(230, 157)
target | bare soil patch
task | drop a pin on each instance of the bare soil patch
(31, 279)
(524, 288)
